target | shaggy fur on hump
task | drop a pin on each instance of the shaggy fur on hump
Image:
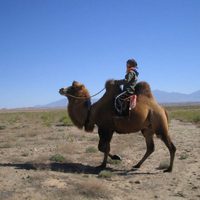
(84, 92)
(142, 88)
(80, 90)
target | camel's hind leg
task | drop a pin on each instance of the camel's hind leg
(148, 134)
(172, 149)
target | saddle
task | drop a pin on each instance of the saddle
(132, 101)
(126, 105)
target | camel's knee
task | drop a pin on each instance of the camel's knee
(104, 147)
(101, 148)
(151, 147)
(149, 141)
(173, 148)
(167, 140)
(89, 127)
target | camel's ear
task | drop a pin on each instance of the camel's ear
(78, 85)
(74, 83)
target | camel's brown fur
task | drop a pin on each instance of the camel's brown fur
(77, 108)
(148, 117)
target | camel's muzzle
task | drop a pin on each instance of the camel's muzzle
(63, 91)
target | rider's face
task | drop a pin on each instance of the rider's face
(129, 66)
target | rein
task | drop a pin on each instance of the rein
(85, 98)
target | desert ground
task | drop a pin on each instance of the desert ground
(43, 156)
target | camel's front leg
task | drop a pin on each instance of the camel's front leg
(104, 144)
(104, 163)
(104, 148)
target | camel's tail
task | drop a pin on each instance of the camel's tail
(164, 125)
(166, 113)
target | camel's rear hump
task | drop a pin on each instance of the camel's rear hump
(143, 88)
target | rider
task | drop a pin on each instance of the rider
(129, 83)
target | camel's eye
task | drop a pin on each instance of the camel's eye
(78, 88)
(70, 89)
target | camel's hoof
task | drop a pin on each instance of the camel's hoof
(136, 167)
(116, 157)
(133, 169)
(168, 170)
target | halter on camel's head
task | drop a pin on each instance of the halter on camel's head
(76, 91)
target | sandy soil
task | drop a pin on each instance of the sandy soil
(26, 171)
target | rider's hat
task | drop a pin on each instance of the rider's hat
(132, 62)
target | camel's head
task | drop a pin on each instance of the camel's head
(76, 89)
(79, 103)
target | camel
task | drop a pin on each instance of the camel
(148, 117)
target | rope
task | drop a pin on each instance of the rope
(75, 97)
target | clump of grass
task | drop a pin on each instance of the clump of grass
(93, 189)
(65, 121)
(47, 118)
(183, 156)
(114, 162)
(25, 154)
(13, 118)
(94, 139)
(196, 118)
(70, 138)
(6, 145)
(57, 158)
(91, 150)
(2, 127)
(163, 164)
(105, 174)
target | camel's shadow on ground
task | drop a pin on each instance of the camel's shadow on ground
(77, 168)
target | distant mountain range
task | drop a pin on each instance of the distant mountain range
(161, 97)
(54, 104)
(175, 97)
(58, 104)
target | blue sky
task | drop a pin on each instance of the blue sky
(46, 44)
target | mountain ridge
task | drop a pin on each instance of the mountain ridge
(161, 96)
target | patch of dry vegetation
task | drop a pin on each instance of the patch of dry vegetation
(41, 153)
(105, 174)
(93, 189)
(185, 113)
(45, 117)
(91, 149)
(57, 158)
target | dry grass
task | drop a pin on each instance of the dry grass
(105, 174)
(67, 148)
(93, 189)
(57, 158)
(91, 149)
(2, 127)
(185, 113)
(183, 156)
(40, 138)
(44, 117)
(6, 145)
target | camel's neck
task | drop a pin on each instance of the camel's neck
(78, 112)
